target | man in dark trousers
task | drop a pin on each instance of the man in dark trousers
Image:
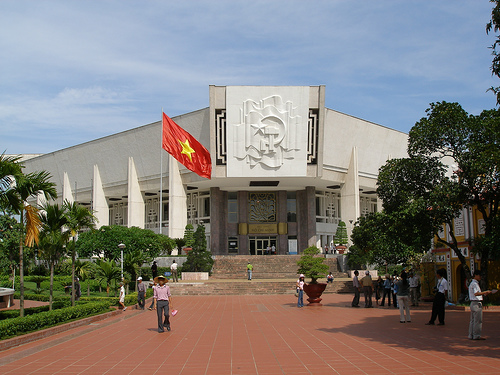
(141, 293)
(439, 299)
(162, 300)
(355, 284)
(154, 269)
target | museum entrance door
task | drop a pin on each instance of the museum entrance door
(258, 244)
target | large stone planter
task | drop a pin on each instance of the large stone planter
(314, 292)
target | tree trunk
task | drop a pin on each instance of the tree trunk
(21, 272)
(73, 276)
(51, 284)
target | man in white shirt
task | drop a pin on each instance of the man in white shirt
(476, 307)
(173, 268)
(439, 299)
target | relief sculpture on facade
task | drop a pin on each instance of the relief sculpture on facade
(268, 130)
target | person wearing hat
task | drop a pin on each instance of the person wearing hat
(141, 293)
(162, 299)
(367, 283)
(121, 301)
(300, 289)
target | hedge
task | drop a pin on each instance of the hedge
(18, 326)
(10, 314)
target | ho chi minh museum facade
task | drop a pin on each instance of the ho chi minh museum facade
(285, 171)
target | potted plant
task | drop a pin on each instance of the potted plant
(188, 238)
(314, 267)
(341, 237)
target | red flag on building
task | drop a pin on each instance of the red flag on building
(185, 148)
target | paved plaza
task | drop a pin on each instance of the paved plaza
(264, 335)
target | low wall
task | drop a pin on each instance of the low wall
(194, 276)
(6, 297)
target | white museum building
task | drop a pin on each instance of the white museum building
(285, 171)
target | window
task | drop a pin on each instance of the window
(232, 207)
(291, 207)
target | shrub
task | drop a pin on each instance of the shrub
(18, 326)
(311, 265)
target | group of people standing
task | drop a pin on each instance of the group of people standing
(397, 287)
(404, 290)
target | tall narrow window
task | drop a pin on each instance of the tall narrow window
(291, 207)
(232, 207)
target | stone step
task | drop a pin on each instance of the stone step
(265, 267)
(253, 287)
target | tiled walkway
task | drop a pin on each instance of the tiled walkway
(264, 335)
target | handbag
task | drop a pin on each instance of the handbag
(297, 292)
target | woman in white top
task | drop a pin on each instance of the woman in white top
(300, 290)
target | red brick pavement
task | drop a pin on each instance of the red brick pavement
(264, 335)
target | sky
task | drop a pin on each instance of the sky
(74, 71)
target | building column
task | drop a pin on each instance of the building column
(177, 205)
(349, 194)
(282, 247)
(243, 218)
(67, 192)
(99, 203)
(218, 220)
(136, 211)
(306, 218)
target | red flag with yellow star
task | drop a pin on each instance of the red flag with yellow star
(185, 148)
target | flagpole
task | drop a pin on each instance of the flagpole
(161, 171)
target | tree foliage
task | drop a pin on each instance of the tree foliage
(312, 265)
(105, 240)
(199, 259)
(453, 163)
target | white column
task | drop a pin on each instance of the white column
(350, 209)
(177, 208)
(67, 192)
(100, 205)
(136, 210)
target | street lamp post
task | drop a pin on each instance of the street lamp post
(121, 246)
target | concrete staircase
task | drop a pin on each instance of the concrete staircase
(273, 267)
(253, 287)
(272, 274)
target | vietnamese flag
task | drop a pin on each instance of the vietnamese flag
(185, 148)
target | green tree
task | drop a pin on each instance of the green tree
(10, 232)
(28, 186)
(494, 25)
(199, 259)
(472, 143)
(78, 218)
(188, 235)
(311, 265)
(106, 239)
(107, 271)
(341, 234)
(133, 261)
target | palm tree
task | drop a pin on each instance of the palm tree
(107, 271)
(133, 261)
(28, 186)
(53, 239)
(78, 218)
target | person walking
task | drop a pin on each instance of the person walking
(162, 299)
(300, 289)
(141, 293)
(150, 308)
(78, 290)
(367, 283)
(387, 290)
(476, 307)
(173, 268)
(121, 300)
(249, 270)
(154, 269)
(403, 300)
(414, 281)
(439, 299)
(355, 284)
